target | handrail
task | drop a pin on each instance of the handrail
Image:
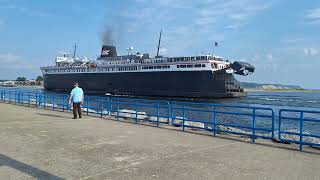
(301, 133)
(215, 118)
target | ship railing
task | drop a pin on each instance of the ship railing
(307, 126)
(217, 119)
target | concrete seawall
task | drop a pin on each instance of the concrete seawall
(43, 144)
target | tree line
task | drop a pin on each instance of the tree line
(38, 79)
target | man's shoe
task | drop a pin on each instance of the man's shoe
(80, 117)
(74, 118)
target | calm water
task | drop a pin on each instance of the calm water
(274, 100)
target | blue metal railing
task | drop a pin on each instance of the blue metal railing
(140, 109)
(214, 120)
(243, 120)
(300, 120)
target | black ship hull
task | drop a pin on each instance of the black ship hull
(184, 84)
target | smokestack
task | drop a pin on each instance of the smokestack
(108, 51)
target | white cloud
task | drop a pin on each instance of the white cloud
(269, 56)
(264, 62)
(314, 13)
(294, 40)
(9, 58)
(16, 62)
(311, 51)
(190, 23)
(26, 11)
(313, 16)
(232, 13)
(263, 57)
(163, 51)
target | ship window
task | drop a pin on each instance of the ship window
(150, 67)
(158, 67)
(182, 66)
(198, 58)
(189, 66)
(197, 65)
(203, 65)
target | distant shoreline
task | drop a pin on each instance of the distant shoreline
(24, 86)
(282, 90)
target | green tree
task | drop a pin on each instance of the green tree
(39, 78)
(21, 79)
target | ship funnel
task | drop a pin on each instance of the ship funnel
(108, 51)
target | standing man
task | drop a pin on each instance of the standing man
(76, 97)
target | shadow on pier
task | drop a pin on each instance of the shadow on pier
(27, 169)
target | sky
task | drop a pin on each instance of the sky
(279, 37)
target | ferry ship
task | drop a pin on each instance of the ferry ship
(203, 76)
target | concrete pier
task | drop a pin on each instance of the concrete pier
(44, 144)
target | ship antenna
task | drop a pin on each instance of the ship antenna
(159, 43)
(75, 50)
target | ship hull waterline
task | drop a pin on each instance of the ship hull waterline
(181, 84)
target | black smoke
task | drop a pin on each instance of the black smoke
(107, 36)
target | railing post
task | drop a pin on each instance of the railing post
(63, 103)
(110, 105)
(101, 101)
(40, 100)
(44, 101)
(19, 97)
(15, 97)
(53, 101)
(301, 131)
(36, 100)
(172, 113)
(136, 110)
(29, 99)
(158, 114)
(169, 104)
(214, 121)
(87, 102)
(253, 125)
(272, 133)
(118, 104)
(183, 117)
(279, 125)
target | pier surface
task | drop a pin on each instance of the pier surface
(43, 144)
